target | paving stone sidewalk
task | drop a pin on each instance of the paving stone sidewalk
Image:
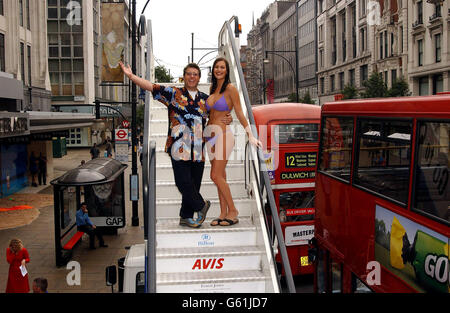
(38, 238)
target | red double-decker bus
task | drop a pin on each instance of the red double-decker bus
(292, 132)
(383, 197)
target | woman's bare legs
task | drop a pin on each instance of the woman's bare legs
(222, 150)
(222, 201)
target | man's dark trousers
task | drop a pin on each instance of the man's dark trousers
(188, 179)
(88, 229)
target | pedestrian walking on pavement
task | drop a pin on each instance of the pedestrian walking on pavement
(33, 166)
(108, 148)
(42, 175)
(85, 225)
(17, 256)
(94, 151)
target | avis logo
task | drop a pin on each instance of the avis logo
(208, 264)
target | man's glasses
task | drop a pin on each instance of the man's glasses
(191, 74)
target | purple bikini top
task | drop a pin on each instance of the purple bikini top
(220, 105)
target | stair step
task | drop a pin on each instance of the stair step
(235, 171)
(169, 234)
(169, 208)
(212, 259)
(208, 282)
(237, 156)
(169, 190)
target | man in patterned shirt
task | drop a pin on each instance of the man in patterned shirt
(185, 142)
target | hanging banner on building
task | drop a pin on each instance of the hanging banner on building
(113, 41)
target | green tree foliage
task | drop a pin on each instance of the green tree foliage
(305, 99)
(162, 75)
(350, 92)
(375, 87)
(399, 88)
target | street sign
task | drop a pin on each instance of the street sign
(125, 124)
(121, 135)
(121, 141)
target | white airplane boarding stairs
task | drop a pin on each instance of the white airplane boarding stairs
(209, 259)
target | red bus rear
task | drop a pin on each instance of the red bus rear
(293, 139)
(383, 197)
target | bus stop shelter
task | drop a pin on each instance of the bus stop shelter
(99, 183)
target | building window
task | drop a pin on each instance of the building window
(344, 38)
(381, 46)
(341, 80)
(1, 8)
(321, 58)
(2, 53)
(438, 83)
(363, 74)
(322, 85)
(28, 15)
(22, 62)
(423, 86)
(29, 65)
(332, 83)
(333, 41)
(352, 77)
(385, 44)
(363, 39)
(420, 52)
(437, 40)
(393, 75)
(362, 6)
(21, 12)
(400, 42)
(420, 12)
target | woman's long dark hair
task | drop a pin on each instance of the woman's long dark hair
(214, 79)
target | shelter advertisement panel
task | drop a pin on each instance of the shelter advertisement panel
(113, 41)
(412, 252)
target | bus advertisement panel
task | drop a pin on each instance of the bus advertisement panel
(412, 252)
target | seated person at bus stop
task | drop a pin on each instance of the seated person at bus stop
(85, 225)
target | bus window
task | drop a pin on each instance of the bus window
(297, 206)
(296, 133)
(336, 277)
(140, 282)
(383, 160)
(358, 286)
(336, 146)
(432, 193)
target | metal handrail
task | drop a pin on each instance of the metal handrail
(149, 183)
(265, 176)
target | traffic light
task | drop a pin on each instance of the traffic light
(237, 27)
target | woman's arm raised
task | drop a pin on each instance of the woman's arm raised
(143, 83)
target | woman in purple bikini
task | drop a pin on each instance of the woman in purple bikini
(223, 98)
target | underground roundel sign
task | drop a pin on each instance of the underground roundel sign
(121, 134)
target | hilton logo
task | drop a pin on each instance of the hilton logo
(205, 241)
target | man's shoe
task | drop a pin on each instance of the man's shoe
(202, 213)
(104, 246)
(190, 222)
(91, 248)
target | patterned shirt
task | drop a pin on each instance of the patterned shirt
(187, 120)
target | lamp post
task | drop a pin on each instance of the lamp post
(296, 63)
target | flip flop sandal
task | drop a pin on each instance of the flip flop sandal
(216, 222)
(230, 222)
